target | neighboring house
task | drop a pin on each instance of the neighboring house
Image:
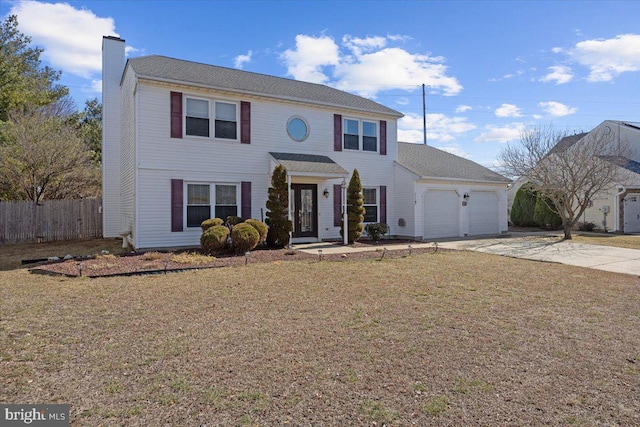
(617, 209)
(184, 141)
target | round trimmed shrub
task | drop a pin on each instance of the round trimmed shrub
(376, 230)
(244, 237)
(214, 239)
(260, 227)
(233, 220)
(211, 222)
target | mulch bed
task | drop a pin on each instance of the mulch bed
(138, 263)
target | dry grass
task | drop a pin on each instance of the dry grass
(453, 338)
(620, 241)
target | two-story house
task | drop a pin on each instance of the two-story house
(184, 141)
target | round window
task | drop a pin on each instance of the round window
(297, 129)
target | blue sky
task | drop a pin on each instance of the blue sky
(492, 68)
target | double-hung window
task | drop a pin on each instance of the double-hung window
(226, 121)
(226, 201)
(369, 136)
(197, 117)
(198, 204)
(201, 112)
(199, 197)
(370, 196)
(360, 135)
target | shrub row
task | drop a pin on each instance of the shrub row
(220, 236)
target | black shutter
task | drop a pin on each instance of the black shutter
(337, 205)
(337, 133)
(383, 137)
(245, 196)
(176, 115)
(245, 122)
(177, 200)
(383, 204)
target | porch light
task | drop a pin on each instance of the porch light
(466, 196)
(325, 193)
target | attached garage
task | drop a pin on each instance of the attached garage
(442, 195)
(632, 213)
(483, 213)
(441, 214)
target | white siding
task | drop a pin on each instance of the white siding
(161, 158)
(405, 203)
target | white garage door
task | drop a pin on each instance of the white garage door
(483, 213)
(441, 216)
(632, 213)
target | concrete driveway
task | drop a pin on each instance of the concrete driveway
(550, 249)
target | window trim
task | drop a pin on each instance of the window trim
(361, 135)
(212, 199)
(211, 105)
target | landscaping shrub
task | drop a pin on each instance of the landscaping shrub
(260, 227)
(523, 207)
(376, 230)
(233, 220)
(244, 237)
(586, 226)
(211, 222)
(278, 210)
(544, 216)
(214, 239)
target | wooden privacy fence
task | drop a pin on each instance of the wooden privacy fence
(52, 220)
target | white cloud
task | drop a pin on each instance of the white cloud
(557, 109)
(608, 58)
(500, 133)
(366, 66)
(71, 38)
(310, 56)
(559, 73)
(439, 128)
(242, 59)
(508, 110)
(463, 108)
(358, 46)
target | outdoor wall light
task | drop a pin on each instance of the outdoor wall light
(466, 196)
(325, 193)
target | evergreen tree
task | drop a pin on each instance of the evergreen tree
(355, 208)
(545, 213)
(23, 81)
(523, 207)
(278, 210)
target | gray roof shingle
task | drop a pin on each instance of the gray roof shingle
(162, 68)
(430, 162)
(309, 163)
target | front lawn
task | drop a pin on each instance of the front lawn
(447, 338)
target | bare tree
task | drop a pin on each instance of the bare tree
(567, 171)
(44, 158)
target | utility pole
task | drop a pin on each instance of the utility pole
(424, 115)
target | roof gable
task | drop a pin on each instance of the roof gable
(429, 162)
(162, 68)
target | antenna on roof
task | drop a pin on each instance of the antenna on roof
(424, 115)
